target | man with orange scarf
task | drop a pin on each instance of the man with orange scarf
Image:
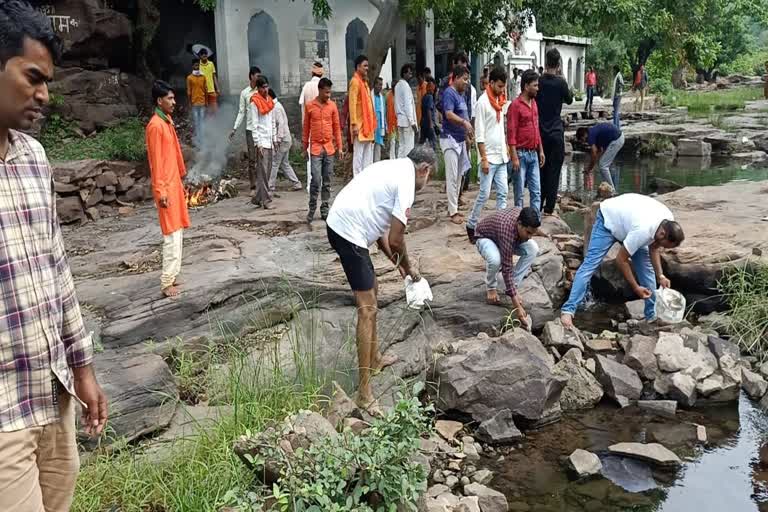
(391, 124)
(362, 120)
(166, 166)
(262, 106)
(490, 124)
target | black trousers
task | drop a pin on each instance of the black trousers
(554, 156)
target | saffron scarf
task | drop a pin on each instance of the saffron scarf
(368, 125)
(265, 105)
(497, 102)
(391, 114)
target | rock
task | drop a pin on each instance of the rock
(652, 452)
(710, 385)
(590, 365)
(721, 348)
(438, 477)
(640, 356)
(676, 435)
(692, 338)
(717, 321)
(665, 408)
(489, 500)
(124, 183)
(753, 384)
(443, 503)
(105, 179)
(357, 426)
(701, 433)
(499, 429)
(555, 335)
(448, 429)
(693, 147)
(437, 490)
(635, 309)
(584, 463)
(671, 353)
(512, 372)
(483, 477)
(70, 209)
(64, 188)
(678, 386)
(93, 213)
(574, 355)
(763, 370)
(452, 481)
(582, 390)
(599, 345)
(470, 451)
(311, 425)
(704, 363)
(468, 504)
(618, 380)
(538, 302)
(341, 406)
(135, 194)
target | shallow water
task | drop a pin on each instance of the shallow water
(722, 476)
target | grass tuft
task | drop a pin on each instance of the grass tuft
(709, 101)
(745, 290)
(124, 141)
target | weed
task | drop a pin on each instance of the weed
(745, 290)
(699, 102)
(124, 141)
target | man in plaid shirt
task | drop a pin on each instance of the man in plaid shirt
(499, 238)
(45, 353)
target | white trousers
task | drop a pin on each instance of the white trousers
(376, 152)
(393, 146)
(172, 246)
(362, 156)
(405, 137)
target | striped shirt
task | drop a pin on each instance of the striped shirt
(42, 335)
(501, 228)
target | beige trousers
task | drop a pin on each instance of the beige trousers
(452, 181)
(362, 155)
(39, 465)
(172, 246)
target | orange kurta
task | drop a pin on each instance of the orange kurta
(391, 114)
(420, 92)
(166, 164)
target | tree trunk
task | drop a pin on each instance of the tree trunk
(678, 77)
(382, 34)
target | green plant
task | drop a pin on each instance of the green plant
(660, 86)
(745, 290)
(124, 141)
(654, 145)
(699, 102)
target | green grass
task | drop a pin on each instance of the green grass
(124, 141)
(745, 290)
(709, 101)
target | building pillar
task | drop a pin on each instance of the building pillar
(429, 40)
(401, 50)
(223, 64)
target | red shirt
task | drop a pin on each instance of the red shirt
(523, 124)
(591, 79)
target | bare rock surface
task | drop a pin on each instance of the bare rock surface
(651, 452)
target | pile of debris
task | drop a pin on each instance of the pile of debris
(92, 189)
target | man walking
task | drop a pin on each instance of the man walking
(524, 140)
(460, 59)
(196, 94)
(618, 88)
(283, 143)
(427, 128)
(391, 123)
(456, 128)
(262, 114)
(500, 237)
(406, 112)
(491, 145)
(166, 165)
(605, 141)
(643, 226)
(244, 113)
(374, 207)
(308, 93)
(208, 69)
(639, 85)
(362, 120)
(553, 92)
(380, 107)
(590, 79)
(46, 354)
(321, 140)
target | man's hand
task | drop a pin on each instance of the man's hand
(341, 154)
(515, 163)
(88, 390)
(664, 282)
(522, 315)
(259, 151)
(415, 276)
(542, 159)
(470, 129)
(231, 134)
(485, 166)
(643, 293)
(355, 132)
(164, 202)
(415, 127)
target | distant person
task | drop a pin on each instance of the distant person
(322, 142)
(524, 140)
(283, 142)
(640, 84)
(391, 123)
(406, 112)
(643, 226)
(47, 355)
(553, 92)
(362, 120)
(166, 164)
(490, 134)
(618, 89)
(244, 113)
(513, 89)
(308, 93)
(501, 236)
(590, 79)
(208, 68)
(374, 208)
(262, 113)
(427, 132)
(541, 70)
(196, 94)
(453, 138)
(460, 59)
(380, 107)
(605, 141)
(421, 90)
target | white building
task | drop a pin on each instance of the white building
(283, 39)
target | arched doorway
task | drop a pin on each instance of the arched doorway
(570, 72)
(263, 48)
(579, 75)
(355, 40)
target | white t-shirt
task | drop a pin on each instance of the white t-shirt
(363, 210)
(491, 131)
(633, 219)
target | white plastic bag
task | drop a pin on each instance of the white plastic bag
(670, 305)
(416, 294)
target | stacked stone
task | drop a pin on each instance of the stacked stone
(571, 246)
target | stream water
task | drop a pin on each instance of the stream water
(723, 475)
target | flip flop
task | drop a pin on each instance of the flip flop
(492, 302)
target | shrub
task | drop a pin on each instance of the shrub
(745, 290)
(660, 86)
(124, 141)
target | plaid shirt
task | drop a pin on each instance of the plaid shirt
(501, 228)
(42, 335)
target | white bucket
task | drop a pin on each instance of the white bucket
(670, 305)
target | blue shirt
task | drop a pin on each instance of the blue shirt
(454, 102)
(380, 106)
(602, 134)
(427, 112)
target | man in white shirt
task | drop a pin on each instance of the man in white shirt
(263, 119)
(643, 226)
(490, 134)
(283, 143)
(377, 202)
(308, 93)
(244, 113)
(405, 109)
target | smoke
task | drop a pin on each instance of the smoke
(213, 147)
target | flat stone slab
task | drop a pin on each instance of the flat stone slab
(665, 408)
(651, 452)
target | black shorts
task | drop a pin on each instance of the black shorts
(356, 262)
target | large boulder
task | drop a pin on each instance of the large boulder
(641, 358)
(753, 383)
(512, 372)
(555, 335)
(619, 381)
(582, 390)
